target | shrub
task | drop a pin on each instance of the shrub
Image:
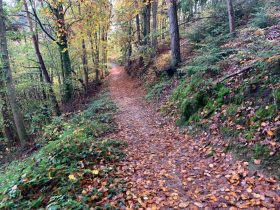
(54, 177)
(262, 19)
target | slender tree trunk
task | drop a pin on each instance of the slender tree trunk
(154, 40)
(231, 16)
(18, 119)
(104, 50)
(85, 63)
(148, 19)
(146, 13)
(138, 31)
(174, 32)
(41, 62)
(190, 16)
(84, 57)
(129, 45)
(95, 54)
(163, 21)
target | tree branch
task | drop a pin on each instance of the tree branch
(40, 23)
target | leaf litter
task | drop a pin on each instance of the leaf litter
(165, 169)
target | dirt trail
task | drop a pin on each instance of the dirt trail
(167, 170)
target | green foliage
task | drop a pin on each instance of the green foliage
(199, 96)
(260, 151)
(263, 113)
(262, 18)
(68, 156)
(232, 110)
(276, 94)
(155, 90)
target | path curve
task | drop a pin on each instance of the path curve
(167, 170)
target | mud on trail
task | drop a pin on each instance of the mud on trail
(168, 170)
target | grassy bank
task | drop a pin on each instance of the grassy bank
(74, 166)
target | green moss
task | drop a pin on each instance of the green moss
(229, 132)
(260, 151)
(232, 110)
(276, 94)
(249, 134)
(266, 112)
(221, 92)
(189, 107)
(155, 90)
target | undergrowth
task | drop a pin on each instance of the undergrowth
(245, 107)
(73, 168)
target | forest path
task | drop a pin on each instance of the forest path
(167, 170)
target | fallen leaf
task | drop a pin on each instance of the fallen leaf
(270, 133)
(184, 204)
(95, 172)
(72, 177)
(257, 162)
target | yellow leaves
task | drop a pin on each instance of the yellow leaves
(234, 179)
(175, 196)
(72, 177)
(95, 172)
(212, 198)
(154, 207)
(64, 50)
(270, 133)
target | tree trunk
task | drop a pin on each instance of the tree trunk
(63, 47)
(7, 123)
(138, 31)
(163, 20)
(231, 16)
(84, 57)
(95, 55)
(67, 70)
(174, 32)
(18, 119)
(146, 13)
(129, 45)
(154, 40)
(85, 63)
(104, 50)
(41, 62)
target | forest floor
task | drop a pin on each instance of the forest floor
(166, 169)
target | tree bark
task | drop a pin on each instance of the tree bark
(41, 62)
(62, 42)
(154, 37)
(163, 20)
(18, 119)
(85, 63)
(231, 16)
(138, 31)
(95, 54)
(174, 32)
(67, 70)
(84, 57)
(7, 123)
(146, 14)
